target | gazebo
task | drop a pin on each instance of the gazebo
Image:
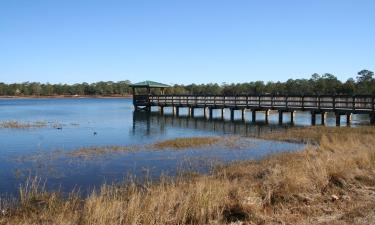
(148, 85)
(141, 101)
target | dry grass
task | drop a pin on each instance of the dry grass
(288, 188)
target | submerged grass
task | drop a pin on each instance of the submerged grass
(13, 124)
(328, 184)
(192, 142)
(172, 144)
(22, 125)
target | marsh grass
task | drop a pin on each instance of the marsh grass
(89, 152)
(181, 143)
(286, 188)
(13, 124)
(22, 125)
(230, 142)
(200, 142)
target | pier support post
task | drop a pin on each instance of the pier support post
(323, 118)
(192, 111)
(280, 117)
(266, 114)
(222, 113)
(232, 114)
(161, 110)
(292, 117)
(205, 112)
(177, 111)
(313, 118)
(348, 119)
(338, 119)
(210, 112)
(253, 116)
(372, 118)
(243, 114)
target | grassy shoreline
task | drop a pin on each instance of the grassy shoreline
(330, 183)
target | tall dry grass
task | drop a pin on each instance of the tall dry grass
(287, 188)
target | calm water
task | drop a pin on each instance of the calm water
(30, 152)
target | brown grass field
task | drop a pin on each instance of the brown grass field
(332, 181)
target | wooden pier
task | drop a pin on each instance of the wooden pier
(316, 104)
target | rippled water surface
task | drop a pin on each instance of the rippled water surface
(70, 124)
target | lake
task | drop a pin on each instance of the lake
(70, 124)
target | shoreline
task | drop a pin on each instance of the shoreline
(66, 96)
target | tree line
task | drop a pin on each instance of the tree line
(38, 89)
(363, 83)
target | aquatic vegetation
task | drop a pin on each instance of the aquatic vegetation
(328, 184)
(198, 142)
(88, 152)
(231, 142)
(180, 143)
(22, 125)
(13, 124)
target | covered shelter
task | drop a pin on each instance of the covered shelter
(149, 85)
(142, 101)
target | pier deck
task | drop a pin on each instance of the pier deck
(316, 104)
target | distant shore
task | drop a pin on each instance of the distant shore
(65, 96)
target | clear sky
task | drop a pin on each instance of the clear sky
(184, 41)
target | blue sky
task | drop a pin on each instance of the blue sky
(184, 41)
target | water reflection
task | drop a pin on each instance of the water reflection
(147, 123)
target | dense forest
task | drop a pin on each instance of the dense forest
(363, 83)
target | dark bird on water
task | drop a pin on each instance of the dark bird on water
(95, 133)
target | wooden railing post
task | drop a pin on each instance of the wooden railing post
(303, 102)
(373, 103)
(334, 102)
(286, 101)
(319, 101)
(353, 103)
(247, 101)
(259, 100)
(272, 98)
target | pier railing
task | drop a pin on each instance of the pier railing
(346, 103)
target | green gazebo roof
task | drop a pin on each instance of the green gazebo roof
(149, 84)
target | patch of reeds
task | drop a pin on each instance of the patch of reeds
(330, 183)
(13, 124)
(172, 144)
(188, 142)
(88, 152)
(22, 125)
